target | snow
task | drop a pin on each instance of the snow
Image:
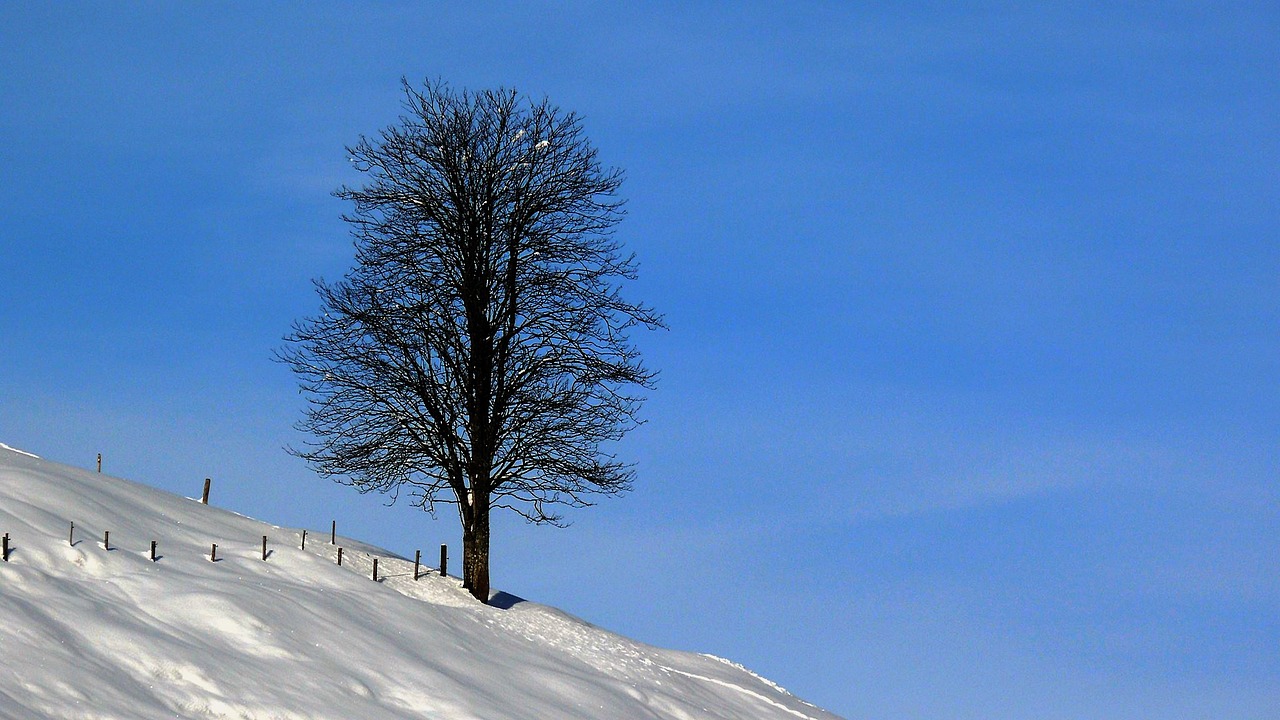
(20, 452)
(96, 633)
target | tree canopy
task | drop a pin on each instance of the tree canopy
(478, 353)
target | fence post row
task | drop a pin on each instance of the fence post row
(213, 548)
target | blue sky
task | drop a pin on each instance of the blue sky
(970, 405)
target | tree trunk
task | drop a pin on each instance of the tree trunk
(475, 552)
(468, 542)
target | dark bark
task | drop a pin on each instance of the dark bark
(476, 556)
(478, 353)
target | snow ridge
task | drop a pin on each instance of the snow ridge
(20, 452)
(92, 632)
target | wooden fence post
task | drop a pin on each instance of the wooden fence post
(213, 553)
(204, 496)
(304, 539)
(339, 556)
(333, 533)
(71, 536)
(99, 462)
(417, 560)
(153, 551)
(106, 539)
(444, 561)
(264, 548)
(375, 569)
(5, 551)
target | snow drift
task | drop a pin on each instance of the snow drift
(91, 632)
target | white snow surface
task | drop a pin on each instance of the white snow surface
(94, 633)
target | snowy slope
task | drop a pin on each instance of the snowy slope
(95, 633)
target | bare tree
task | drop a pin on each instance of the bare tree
(478, 352)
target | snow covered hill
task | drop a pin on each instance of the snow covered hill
(90, 632)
